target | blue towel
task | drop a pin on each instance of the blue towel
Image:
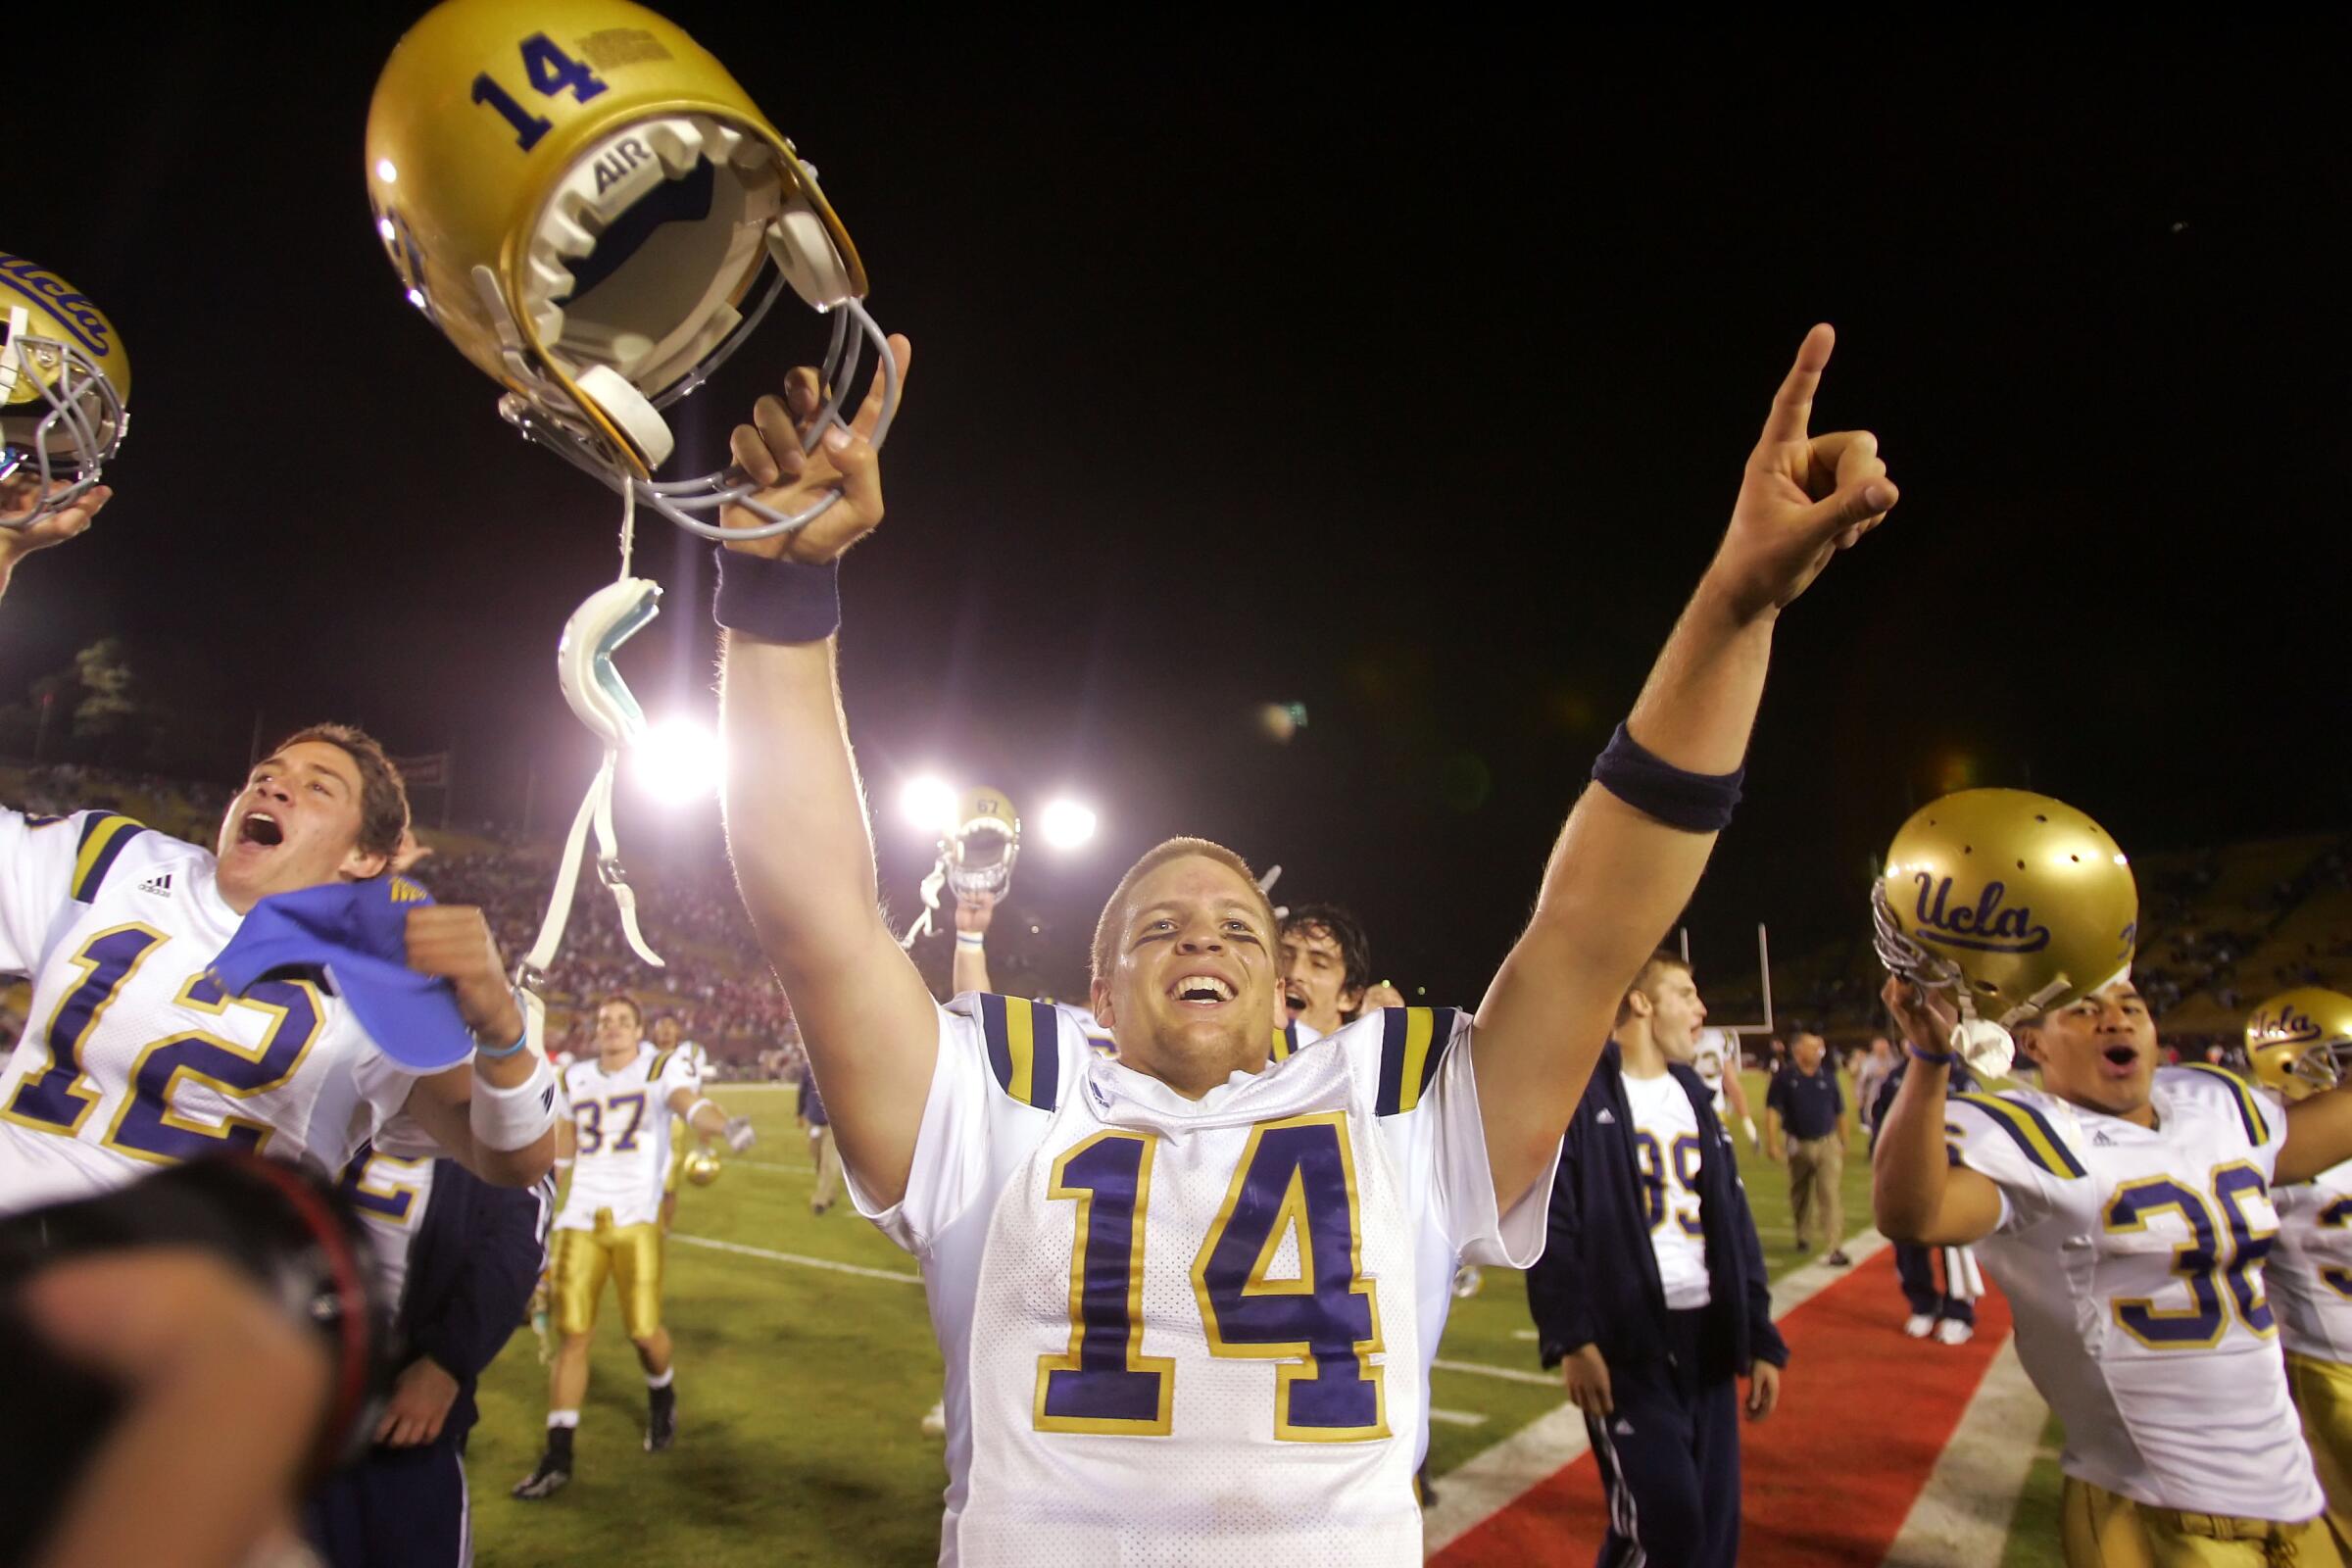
(356, 934)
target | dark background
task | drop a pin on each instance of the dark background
(1403, 374)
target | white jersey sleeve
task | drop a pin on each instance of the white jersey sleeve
(2011, 1140)
(1427, 1100)
(675, 1071)
(1003, 1064)
(46, 864)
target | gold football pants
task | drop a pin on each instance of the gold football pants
(677, 1156)
(631, 1254)
(2323, 1391)
(2104, 1530)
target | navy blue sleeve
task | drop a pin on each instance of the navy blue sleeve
(1836, 1098)
(502, 1235)
(1557, 1293)
(1776, 1095)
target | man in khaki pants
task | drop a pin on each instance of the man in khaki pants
(1803, 1105)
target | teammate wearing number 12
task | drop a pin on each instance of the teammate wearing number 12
(1188, 1297)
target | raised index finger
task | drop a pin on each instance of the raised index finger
(1792, 405)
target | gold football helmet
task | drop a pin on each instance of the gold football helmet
(64, 382)
(2016, 902)
(702, 1167)
(2301, 1041)
(591, 209)
(980, 852)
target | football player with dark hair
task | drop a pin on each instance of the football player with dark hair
(1651, 1291)
(136, 1054)
(2123, 1208)
(1159, 1227)
(618, 1107)
(1325, 964)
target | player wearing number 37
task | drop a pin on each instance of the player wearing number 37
(1187, 1298)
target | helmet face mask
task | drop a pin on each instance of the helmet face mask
(596, 215)
(64, 378)
(980, 853)
(2301, 1041)
(2014, 902)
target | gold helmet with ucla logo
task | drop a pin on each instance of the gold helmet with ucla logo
(595, 213)
(65, 384)
(702, 1167)
(2014, 902)
(985, 842)
(2301, 1041)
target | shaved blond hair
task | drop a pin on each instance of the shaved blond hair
(1107, 929)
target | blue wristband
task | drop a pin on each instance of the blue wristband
(1697, 802)
(1940, 1059)
(505, 1052)
(777, 600)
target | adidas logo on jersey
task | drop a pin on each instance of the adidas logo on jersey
(160, 885)
(1623, 1428)
(1606, 1116)
(2099, 1137)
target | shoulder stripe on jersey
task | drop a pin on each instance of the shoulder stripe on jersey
(653, 1074)
(1286, 1040)
(405, 890)
(1024, 1048)
(2032, 1131)
(1413, 1044)
(102, 841)
(2250, 1110)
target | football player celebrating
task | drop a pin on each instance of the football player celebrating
(1717, 1061)
(1156, 1228)
(135, 1054)
(2300, 1044)
(2124, 1209)
(617, 1142)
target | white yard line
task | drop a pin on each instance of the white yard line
(1473, 1493)
(1457, 1418)
(1507, 1374)
(1961, 1516)
(858, 1269)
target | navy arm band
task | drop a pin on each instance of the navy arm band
(777, 600)
(1697, 802)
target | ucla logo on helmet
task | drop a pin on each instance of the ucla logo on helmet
(51, 293)
(1984, 927)
(2286, 1027)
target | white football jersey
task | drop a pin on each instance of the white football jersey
(2132, 1259)
(1666, 1156)
(389, 1182)
(1185, 1331)
(2310, 1270)
(620, 1129)
(132, 1057)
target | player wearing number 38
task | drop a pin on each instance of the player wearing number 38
(2125, 1208)
(1188, 1299)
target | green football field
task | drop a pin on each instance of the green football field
(804, 1364)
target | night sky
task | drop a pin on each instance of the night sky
(1406, 376)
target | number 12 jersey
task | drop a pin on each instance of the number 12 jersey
(1187, 1331)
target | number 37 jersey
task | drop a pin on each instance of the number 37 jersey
(132, 1055)
(620, 1136)
(1187, 1331)
(2132, 1259)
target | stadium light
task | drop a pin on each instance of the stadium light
(1066, 824)
(928, 803)
(680, 761)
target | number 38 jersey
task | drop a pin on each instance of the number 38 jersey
(2132, 1259)
(620, 1136)
(132, 1055)
(1190, 1331)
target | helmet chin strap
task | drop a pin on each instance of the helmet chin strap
(600, 700)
